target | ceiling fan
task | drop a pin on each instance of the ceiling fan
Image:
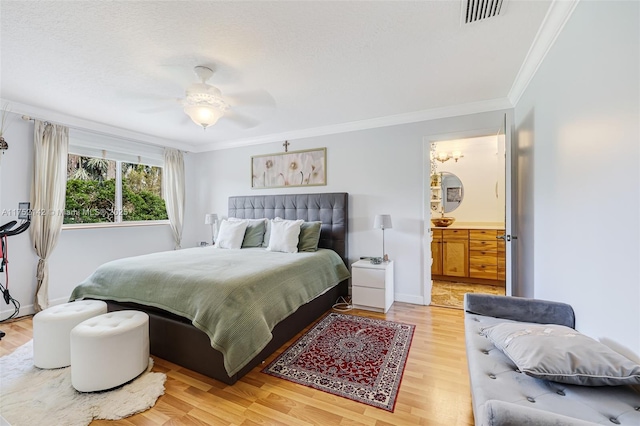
(203, 103)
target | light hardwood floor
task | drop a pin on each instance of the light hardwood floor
(434, 390)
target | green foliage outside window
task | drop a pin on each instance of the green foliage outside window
(142, 193)
(91, 191)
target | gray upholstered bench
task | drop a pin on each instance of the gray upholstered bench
(502, 395)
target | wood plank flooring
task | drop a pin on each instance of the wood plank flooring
(434, 390)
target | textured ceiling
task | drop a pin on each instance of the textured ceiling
(288, 66)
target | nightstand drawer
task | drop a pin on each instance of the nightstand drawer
(373, 297)
(366, 277)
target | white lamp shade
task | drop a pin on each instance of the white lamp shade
(382, 221)
(210, 218)
(203, 115)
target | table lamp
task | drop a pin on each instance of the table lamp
(211, 219)
(383, 221)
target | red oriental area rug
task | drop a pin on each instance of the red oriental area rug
(354, 357)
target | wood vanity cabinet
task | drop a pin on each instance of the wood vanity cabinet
(502, 259)
(483, 254)
(436, 252)
(455, 252)
(475, 255)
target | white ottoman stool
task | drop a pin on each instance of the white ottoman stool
(52, 327)
(109, 350)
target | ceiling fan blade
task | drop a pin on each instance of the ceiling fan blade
(241, 120)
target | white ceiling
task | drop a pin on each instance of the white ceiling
(314, 66)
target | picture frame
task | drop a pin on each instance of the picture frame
(289, 169)
(454, 194)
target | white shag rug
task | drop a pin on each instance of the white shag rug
(31, 396)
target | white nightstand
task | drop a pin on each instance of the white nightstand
(372, 285)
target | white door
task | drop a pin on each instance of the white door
(504, 134)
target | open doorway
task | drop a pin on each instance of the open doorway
(466, 192)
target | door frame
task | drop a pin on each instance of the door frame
(426, 196)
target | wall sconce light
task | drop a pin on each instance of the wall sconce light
(211, 219)
(3, 126)
(445, 156)
(3, 145)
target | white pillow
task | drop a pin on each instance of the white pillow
(284, 235)
(231, 234)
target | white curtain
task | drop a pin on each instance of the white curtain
(48, 189)
(173, 191)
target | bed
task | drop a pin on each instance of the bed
(182, 336)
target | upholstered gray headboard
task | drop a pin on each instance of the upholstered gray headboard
(329, 208)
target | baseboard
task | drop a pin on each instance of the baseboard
(29, 309)
(23, 311)
(408, 298)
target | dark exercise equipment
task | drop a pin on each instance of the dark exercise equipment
(7, 230)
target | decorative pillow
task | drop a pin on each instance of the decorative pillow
(231, 234)
(562, 354)
(267, 232)
(254, 234)
(309, 236)
(284, 235)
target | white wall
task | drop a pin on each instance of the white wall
(577, 130)
(15, 186)
(79, 251)
(482, 174)
(382, 170)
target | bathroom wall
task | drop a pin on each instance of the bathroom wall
(482, 172)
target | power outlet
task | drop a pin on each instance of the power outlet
(24, 210)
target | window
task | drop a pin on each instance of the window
(142, 193)
(101, 190)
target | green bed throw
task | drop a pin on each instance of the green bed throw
(235, 296)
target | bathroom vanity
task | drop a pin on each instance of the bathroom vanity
(468, 254)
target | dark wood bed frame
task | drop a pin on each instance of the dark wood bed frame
(175, 339)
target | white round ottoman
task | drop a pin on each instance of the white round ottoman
(109, 350)
(52, 327)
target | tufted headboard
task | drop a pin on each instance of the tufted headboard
(329, 208)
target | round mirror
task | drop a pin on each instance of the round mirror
(452, 191)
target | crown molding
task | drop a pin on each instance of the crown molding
(557, 16)
(92, 126)
(392, 120)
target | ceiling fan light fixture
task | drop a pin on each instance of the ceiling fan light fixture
(203, 102)
(204, 115)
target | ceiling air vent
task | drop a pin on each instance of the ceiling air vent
(479, 10)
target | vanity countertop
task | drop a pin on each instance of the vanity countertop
(472, 225)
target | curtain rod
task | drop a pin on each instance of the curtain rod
(29, 118)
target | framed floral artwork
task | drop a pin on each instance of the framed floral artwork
(294, 168)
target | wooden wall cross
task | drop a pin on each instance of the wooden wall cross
(286, 146)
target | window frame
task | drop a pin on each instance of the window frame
(122, 151)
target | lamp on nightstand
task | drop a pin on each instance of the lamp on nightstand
(383, 221)
(211, 219)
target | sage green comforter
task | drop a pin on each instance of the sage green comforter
(235, 296)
